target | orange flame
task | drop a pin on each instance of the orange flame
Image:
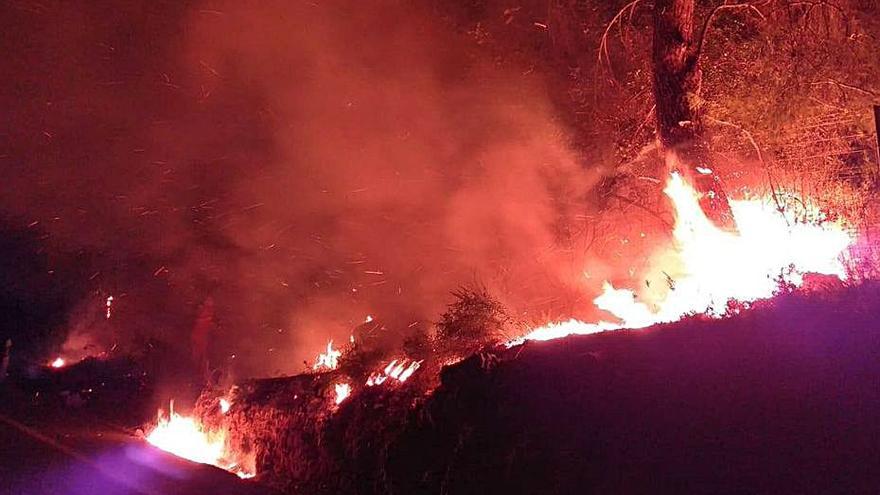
(709, 267)
(399, 371)
(328, 360)
(343, 390)
(706, 268)
(185, 437)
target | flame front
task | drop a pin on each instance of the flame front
(397, 370)
(185, 437)
(708, 267)
(705, 269)
(712, 266)
(343, 390)
(328, 360)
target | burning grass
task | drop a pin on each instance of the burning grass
(292, 427)
(474, 319)
(707, 268)
(341, 425)
(187, 437)
(564, 416)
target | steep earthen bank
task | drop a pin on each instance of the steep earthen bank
(783, 398)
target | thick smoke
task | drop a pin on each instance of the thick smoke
(282, 170)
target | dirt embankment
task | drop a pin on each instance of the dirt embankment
(781, 399)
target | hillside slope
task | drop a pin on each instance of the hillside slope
(784, 398)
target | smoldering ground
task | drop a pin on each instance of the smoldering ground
(299, 164)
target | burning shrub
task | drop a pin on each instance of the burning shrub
(359, 360)
(474, 320)
(549, 421)
(418, 345)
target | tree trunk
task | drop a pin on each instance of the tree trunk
(677, 79)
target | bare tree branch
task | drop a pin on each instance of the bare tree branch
(669, 227)
(707, 25)
(746, 133)
(603, 43)
(644, 122)
(847, 86)
(757, 148)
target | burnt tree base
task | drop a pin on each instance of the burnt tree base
(695, 165)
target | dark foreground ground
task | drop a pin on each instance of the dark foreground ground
(783, 399)
(75, 431)
(75, 458)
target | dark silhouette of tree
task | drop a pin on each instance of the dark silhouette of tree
(679, 116)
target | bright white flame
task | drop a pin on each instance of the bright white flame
(109, 306)
(399, 371)
(343, 390)
(557, 330)
(185, 437)
(618, 301)
(328, 360)
(58, 362)
(368, 319)
(709, 267)
(224, 406)
(407, 372)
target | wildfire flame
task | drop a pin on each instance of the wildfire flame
(185, 437)
(398, 370)
(58, 362)
(328, 360)
(709, 267)
(705, 269)
(343, 390)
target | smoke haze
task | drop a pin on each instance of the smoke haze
(299, 164)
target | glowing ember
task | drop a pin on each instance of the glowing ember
(708, 267)
(109, 306)
(399, 371)
(343, 390)
(58, 362)
(327, 360)
(368, 319)
(185, 437)
(224, 406)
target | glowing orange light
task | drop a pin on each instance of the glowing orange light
(397, 370)
(708, 267)
(185, 437)
(343, 390)
(328, 360)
